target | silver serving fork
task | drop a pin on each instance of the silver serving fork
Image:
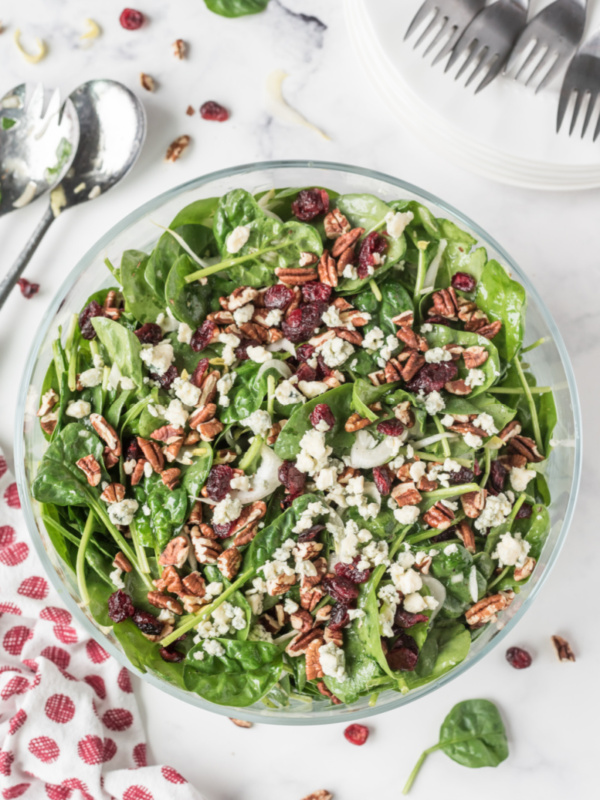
(38, 141)
(553, 36)
(451, 17)
(489, 39)
(583, 79)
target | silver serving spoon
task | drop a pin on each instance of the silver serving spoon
(113, 126)
(38, 142)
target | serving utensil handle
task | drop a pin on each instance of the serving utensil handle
(24, 257)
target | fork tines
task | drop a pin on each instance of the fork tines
(580, 87)
(449, 17)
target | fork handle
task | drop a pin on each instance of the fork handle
(17, 268)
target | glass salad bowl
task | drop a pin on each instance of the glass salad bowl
(139, 230)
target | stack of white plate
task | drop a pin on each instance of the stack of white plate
(506, 132)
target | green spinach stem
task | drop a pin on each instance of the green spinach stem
(516, 390)
(417, 767)
(530, 402)
(488, 467)
(535, 344)
(441, 429)
(139, 549)
(270, 393)
(375, 290)
(232, 262)
(452, 491)
(80, 562)
(421, 272)
(252, 453)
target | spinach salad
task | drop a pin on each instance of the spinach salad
(295, 452)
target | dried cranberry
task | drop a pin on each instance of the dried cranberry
(27, 288)
(449, 533)
(497, 479)
(92, 309)
(391, 427)
(168, 654)
(463, 475)
(304, 352)
(432, 377)
(383, 478)
(406, 619)
(435, 319)
(404, 654)
(323, 370)
(340, 588)
(321, 413)
(241, 351)
(315, 291)
(351, 571)
(311, 533)
(278, 296)
(291, 477)
(339, 617)
(306, 373)
(131, 19)
(476, 468)
(518, 658)
(202, 337)
(372, 245)
(147, 623)
(133, 450)
(303, 321)
(223, 531)
(214, 111)
(218, 484)
(357, 734)
(310, 203)
(463, 282)
(149, 333)
(120, 606)
(167, 378)
(199, 373)
(524, 512)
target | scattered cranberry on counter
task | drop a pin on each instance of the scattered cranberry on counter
(27, 288)
(214, 111)
(357, 734)
(518, 658)
(131, 19)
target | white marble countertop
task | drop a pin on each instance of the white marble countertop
(556, 239)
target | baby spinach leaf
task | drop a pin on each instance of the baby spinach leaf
(59, 480)
(472, 734)
(247, 393)
(122, 346)
(168, 509)
(361, 669)
(236, 8)
(240, 677)
(198, 237)
(187, 302)
(200, 212)
(445, 647)
(504, 299)
(140, 300)
(457, 258)
(481, 404)
(195, 476)
(339, 401)
(442, 335)
(447, 566)
(395, 300)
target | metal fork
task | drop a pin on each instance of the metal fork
(490, 38)
(582, 78)
(555, 34)
(452, 17)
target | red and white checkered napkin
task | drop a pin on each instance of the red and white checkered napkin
(69, 723)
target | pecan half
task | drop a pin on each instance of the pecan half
(354, 337)
(210, 430)
(467, 427)
(177, 148)
(167, 434)
(114, 493)
(407, 494)
(122, 562)
(48, 422)
(466, 535)
(310, 595)
(320, 794)
(245, 536)
(179, 49)
(169, 581)
(487, 608)
(313, 664)
(301, 621)
(412, 366)
(295, 276)
(301, 642)
(170, 477)
(175, 553)
(274, 432)
(229, 562)
(473, 503)
(524, 446)
(91, 468)
(161, 600)
(356, 423)
(306, 551)
(106, 432)
(404, 413)
(563, 649)
(138, 471)
(412, 339)
(354, 317)
(49, 400)
(439, 516)
(458, 387)
(455, 350)
(147, 82)
(345, 241)
(333, 636)
(346, 258)
(336, 701)
(195, 584)
(250, 516)
(445, 304)
(513, 428)
(404, 320)
(490, 330)
(335, 224)
(207, 550)
(525, 570)
(280, 585)
(153, 453)
(171, 451)
(328, 270)
(203, 413)
(475, 356)
(221, 317)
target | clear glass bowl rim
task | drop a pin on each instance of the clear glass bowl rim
(82, 265)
